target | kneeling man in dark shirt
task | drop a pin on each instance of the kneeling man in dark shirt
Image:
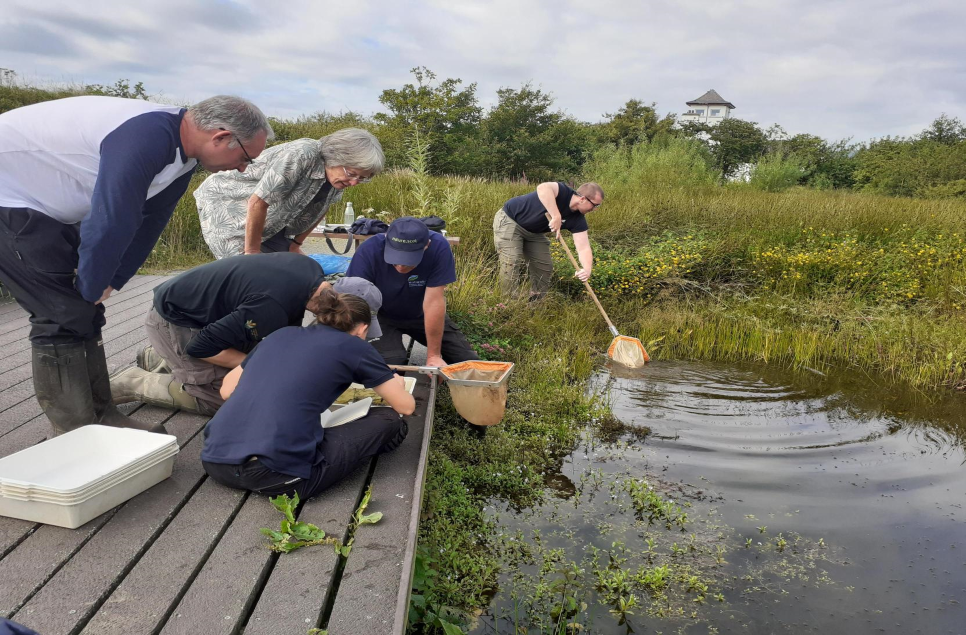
(411, 267)
(206, 320)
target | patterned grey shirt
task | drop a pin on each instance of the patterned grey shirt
(286, 176)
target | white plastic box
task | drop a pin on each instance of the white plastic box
(71, 479)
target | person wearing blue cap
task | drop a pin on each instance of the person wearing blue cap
(411, 266)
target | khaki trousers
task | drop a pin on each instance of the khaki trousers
(202, 380)
(521, 250)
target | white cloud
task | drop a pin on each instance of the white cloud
(863, 68)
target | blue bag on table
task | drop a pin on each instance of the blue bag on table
(331, 264)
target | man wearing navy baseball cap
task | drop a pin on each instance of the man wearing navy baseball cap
(411, 266)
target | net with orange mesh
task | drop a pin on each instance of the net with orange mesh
(479, 390)
(628, 351)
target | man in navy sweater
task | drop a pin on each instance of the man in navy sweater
(87, 184)
(411, 267)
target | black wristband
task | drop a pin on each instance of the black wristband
(297, 242)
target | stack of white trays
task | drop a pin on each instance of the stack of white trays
(78, 476)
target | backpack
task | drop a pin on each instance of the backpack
(368, 226)
(434, 223)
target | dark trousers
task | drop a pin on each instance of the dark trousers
(343, 448)
(455, 347)
(277, 243)
(38, 263)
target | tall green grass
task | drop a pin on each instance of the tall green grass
(673, 243)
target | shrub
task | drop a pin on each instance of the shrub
(773, 173)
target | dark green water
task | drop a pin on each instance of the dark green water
(865, 483)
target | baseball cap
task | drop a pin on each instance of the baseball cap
(405, 241)
(368, 292)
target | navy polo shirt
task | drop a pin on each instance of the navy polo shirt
(529, 213)
(289, 379)
(403, 293)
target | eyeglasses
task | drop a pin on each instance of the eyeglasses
(356, 177)
(593, 205)
(248, 158)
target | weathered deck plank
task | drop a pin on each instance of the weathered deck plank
(78, 589)
(186, 556)
(220, 598)
(375, 570)
(301, 581)
(146, 596)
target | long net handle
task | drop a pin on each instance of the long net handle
(593, 296)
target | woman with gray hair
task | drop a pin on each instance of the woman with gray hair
(274, 204)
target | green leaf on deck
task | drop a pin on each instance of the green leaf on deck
(286, 505)
(274, 535)
(451, 629)
(370, 519)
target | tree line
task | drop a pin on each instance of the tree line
(525, 136)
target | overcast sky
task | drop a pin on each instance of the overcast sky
(842, 68)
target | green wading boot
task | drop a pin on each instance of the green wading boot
(62, 385)
(156, 389)
(104, 410)
(149, 360)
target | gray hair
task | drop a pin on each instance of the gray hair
(353, 148)
(591, 189)
(239, 116)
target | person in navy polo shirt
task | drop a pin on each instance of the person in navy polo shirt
(87, 184)
(268, 437)
(520, 231)
(411, 266)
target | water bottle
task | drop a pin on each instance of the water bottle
(350, 215)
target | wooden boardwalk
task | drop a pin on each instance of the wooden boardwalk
(186, 556)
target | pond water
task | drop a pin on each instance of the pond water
(814, 505)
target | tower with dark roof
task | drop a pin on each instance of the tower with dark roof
(709, 108)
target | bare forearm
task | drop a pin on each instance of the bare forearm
(228, 358)
(255, 224)
(435, 317)
(586, 258)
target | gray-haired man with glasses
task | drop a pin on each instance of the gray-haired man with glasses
(87, 184)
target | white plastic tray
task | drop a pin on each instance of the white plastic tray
(80, 458)
(87, 492)
(73, 516)
(15, 491)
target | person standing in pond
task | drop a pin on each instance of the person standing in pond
(411, 266)
(274, 205)
(520, 232)
(268, 437)
(206, 320)
(87, 184)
